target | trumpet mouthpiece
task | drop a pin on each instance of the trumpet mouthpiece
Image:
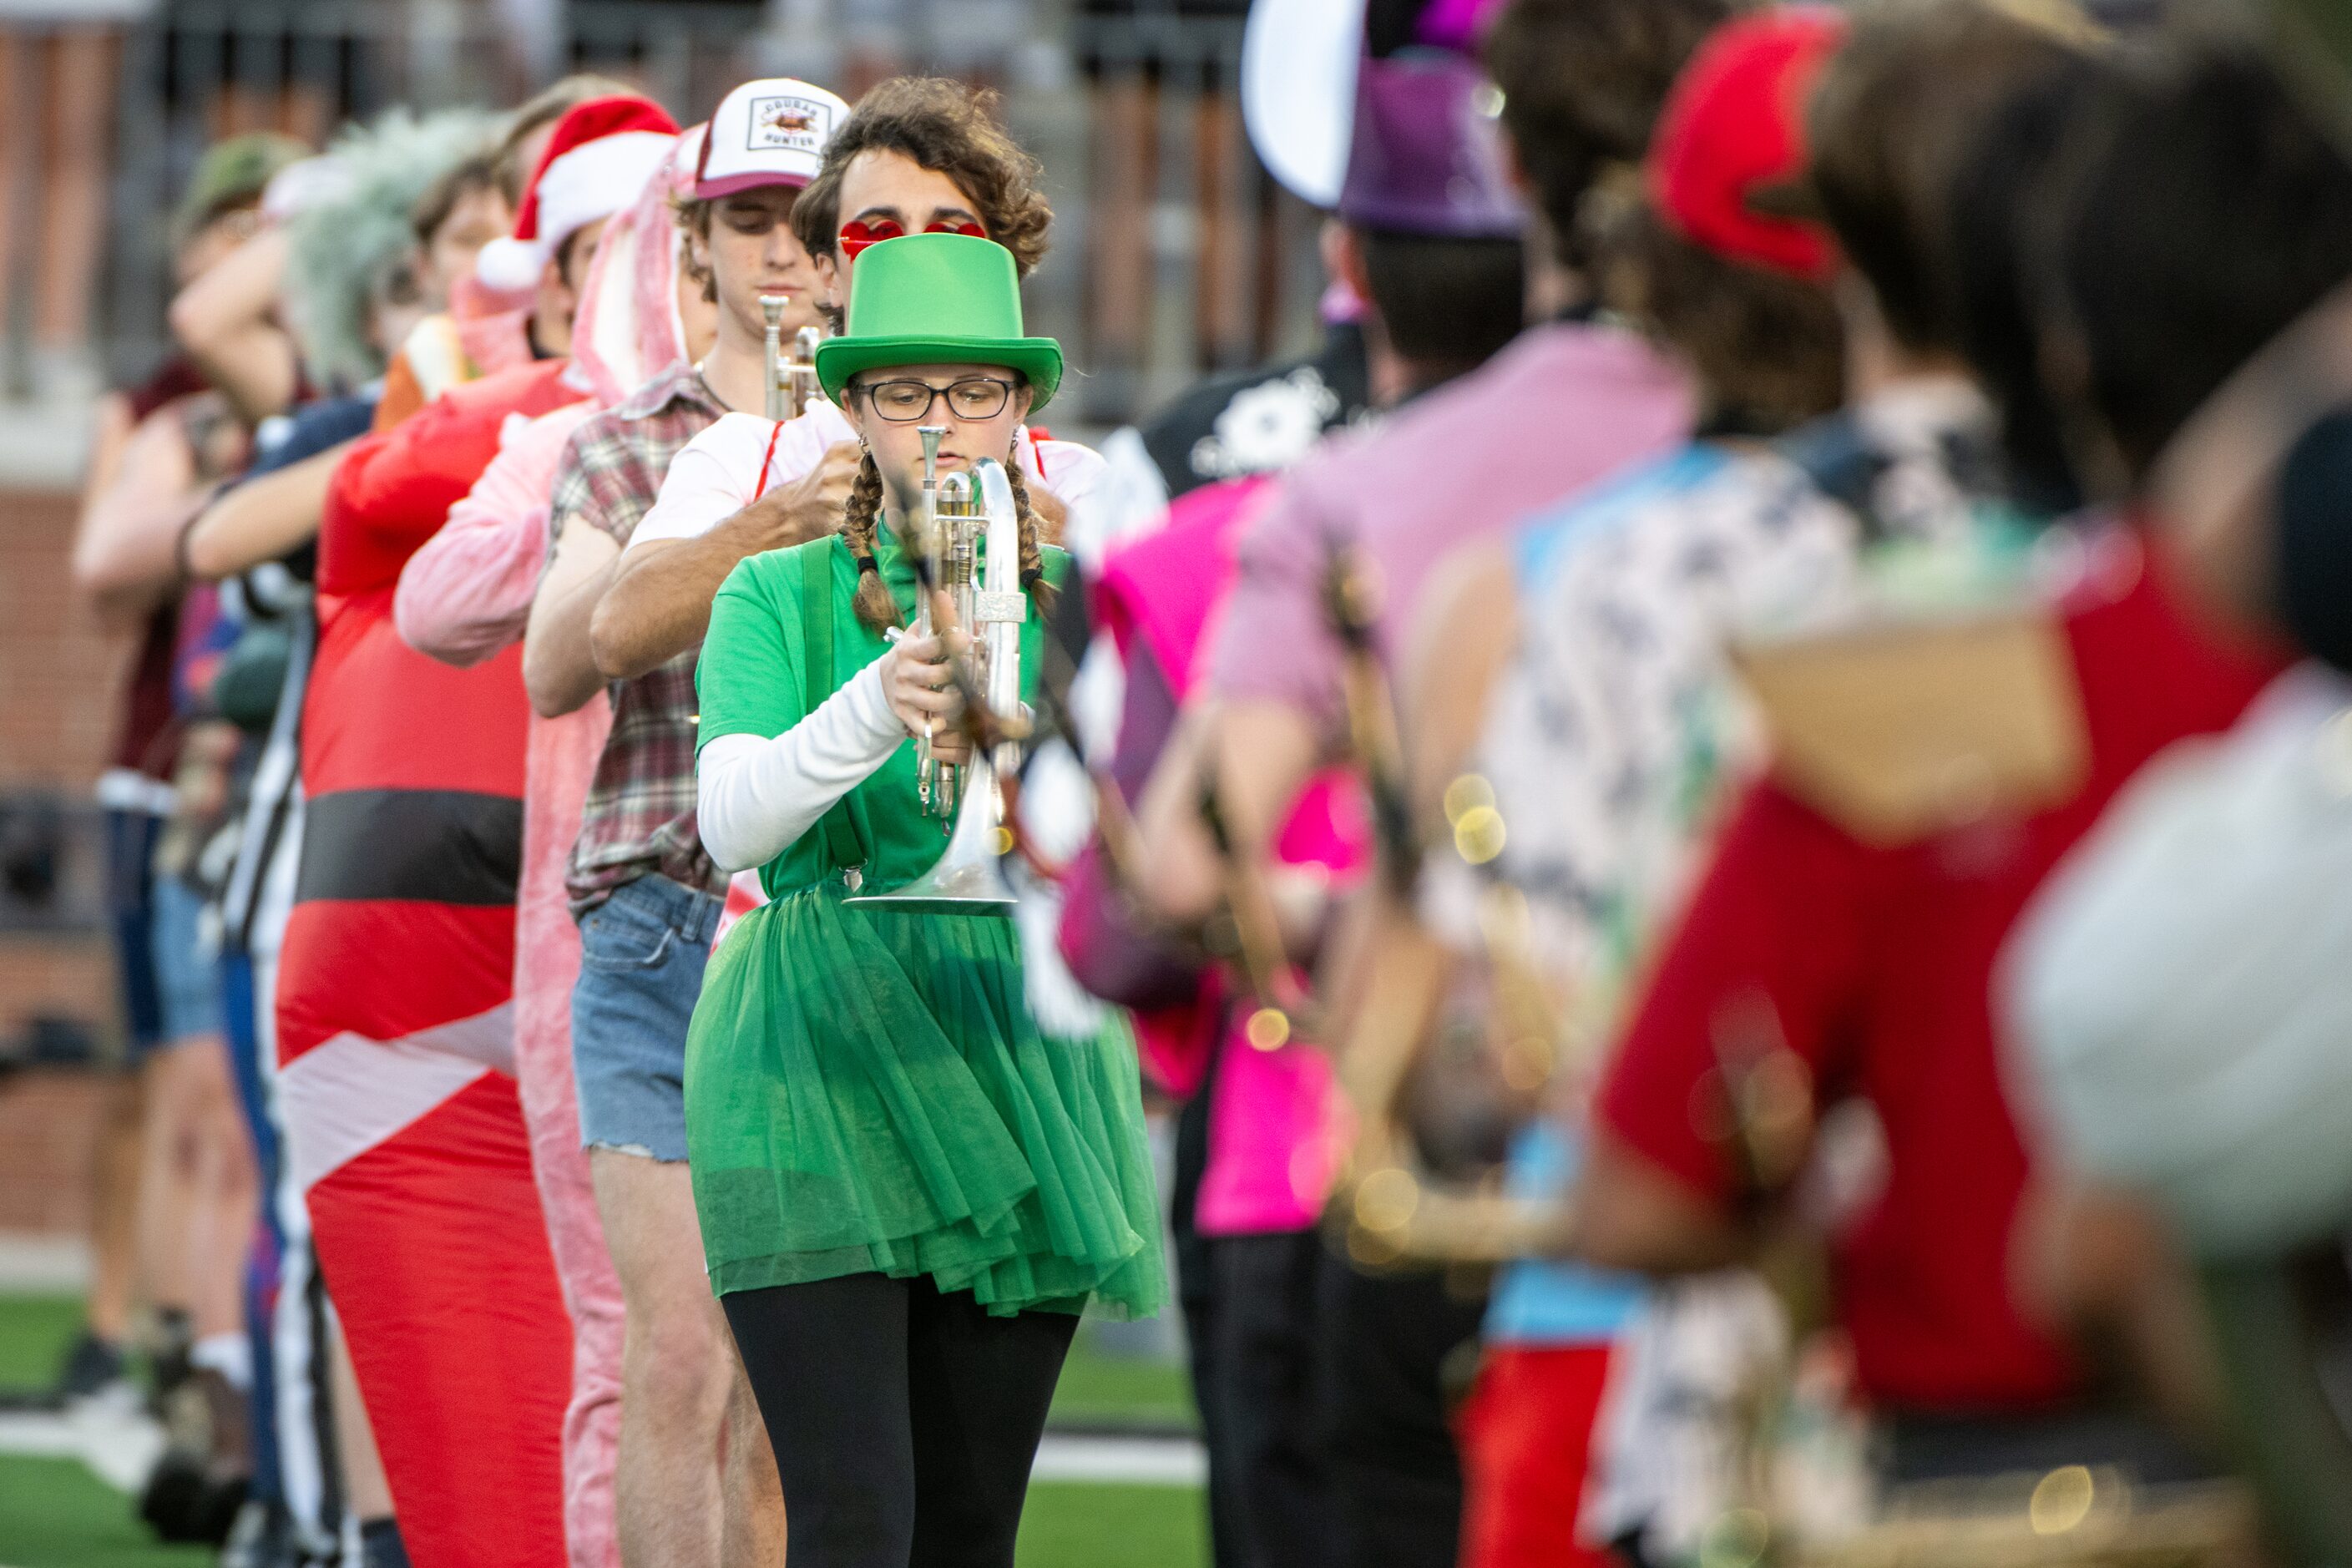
(772, 307)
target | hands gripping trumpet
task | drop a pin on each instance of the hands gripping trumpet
(967, 556)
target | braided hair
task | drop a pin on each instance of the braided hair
(1033, 562)
(875, 608)
(864, 510)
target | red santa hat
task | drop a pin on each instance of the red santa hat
(599, 158)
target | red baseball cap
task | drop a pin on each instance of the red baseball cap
(1734, 125)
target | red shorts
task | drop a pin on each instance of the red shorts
(1526, 1441)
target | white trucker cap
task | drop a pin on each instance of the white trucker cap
(767, 132)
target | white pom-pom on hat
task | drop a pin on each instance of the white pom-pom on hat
(600, 157)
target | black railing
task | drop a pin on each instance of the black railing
(52, 862)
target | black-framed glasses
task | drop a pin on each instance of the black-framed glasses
(904, 402)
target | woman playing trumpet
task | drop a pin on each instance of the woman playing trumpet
(906, 1192)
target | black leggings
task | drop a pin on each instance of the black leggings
(905, 1421)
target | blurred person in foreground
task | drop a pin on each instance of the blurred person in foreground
(1157, 544)
(1860, 962)
(1744, 302)
(2177, 990)
(1436, 259)
(1614, 731)
(157, 448)
(1469, 449)
(395, 1004)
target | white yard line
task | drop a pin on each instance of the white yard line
(120, 1446)
(1132, 1461)
(42, 1263)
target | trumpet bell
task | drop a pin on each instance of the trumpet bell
(969, 877)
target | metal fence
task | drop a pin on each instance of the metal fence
(1174, 253)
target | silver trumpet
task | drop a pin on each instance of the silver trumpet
(791, 380)
(929, 774)
(971, 524)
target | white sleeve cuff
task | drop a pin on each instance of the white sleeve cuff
(754, 797)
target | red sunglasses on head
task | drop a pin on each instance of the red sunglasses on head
(858, 233)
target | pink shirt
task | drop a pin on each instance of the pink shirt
(466, 593)
(1560, 408)
(1273, 1142)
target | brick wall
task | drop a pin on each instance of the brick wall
(66, 976)
(50, 1125)
(58, 674)
(58, 668)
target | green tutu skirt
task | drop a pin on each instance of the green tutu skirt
(866, 1093)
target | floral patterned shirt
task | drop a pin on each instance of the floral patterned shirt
(1616, 727)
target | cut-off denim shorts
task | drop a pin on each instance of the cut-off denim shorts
(642, 954)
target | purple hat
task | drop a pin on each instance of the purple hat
(1427, 158)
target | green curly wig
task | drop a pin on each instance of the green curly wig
(343, 250)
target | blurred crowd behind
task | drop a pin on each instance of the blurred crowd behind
(1132, 106)
(1712, 728)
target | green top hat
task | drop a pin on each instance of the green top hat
(931, 299)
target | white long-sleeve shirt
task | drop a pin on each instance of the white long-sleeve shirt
(753, 797)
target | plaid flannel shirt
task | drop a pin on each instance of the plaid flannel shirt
(639, 818)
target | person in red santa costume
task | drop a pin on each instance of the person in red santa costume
(396, 1009)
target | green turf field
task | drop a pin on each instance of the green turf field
(1074, 1526)
(34, 1330)
(54, 1513)
(1110, 1391)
